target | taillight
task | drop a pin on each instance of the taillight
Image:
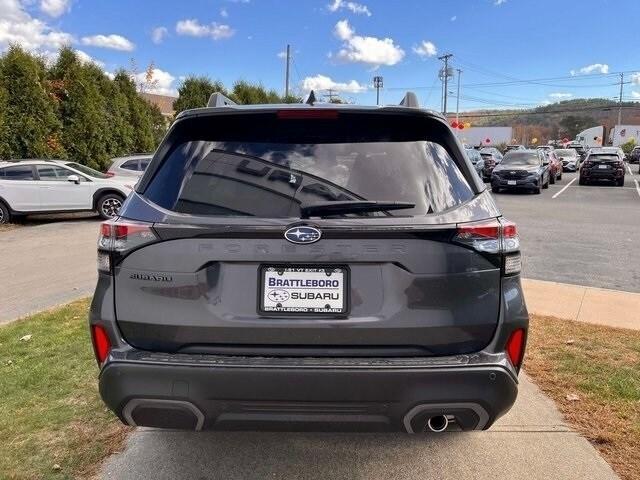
(515, 347)
(101, 343)
(109, 174)
(493, 236)
(120, 237)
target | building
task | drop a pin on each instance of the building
(163, 102)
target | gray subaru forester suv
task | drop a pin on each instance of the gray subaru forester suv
(317, 267)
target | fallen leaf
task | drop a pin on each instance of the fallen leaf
(56, 467)
(572, 397)
(26, 338)
(571, 341)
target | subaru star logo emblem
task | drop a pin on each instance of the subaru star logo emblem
(302, 234)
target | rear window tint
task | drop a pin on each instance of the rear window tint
(274, 180)
(130, 165)
(18, 172)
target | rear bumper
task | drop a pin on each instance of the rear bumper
(526, 183)
(597, 174)
(204, 392)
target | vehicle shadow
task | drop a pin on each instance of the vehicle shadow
(42, 219)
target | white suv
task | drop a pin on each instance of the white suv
(46, 186)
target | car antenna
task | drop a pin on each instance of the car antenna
(311, 99)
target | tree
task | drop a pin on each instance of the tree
(4, 139)
(83, 106)
(628, 146)
(31, 127)
(195, 92)
(571, 125)
(138, 115)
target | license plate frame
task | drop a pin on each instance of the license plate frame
(512, 182)
(603, 166)
(301, 310)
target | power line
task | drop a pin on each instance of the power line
(545, 112)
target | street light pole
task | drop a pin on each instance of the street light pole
(378, 83)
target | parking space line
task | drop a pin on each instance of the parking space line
(637, 186)
(567, 186)
(629, 168)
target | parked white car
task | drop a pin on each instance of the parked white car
(47, 186)
(131, 166)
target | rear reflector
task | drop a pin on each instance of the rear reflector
(101, 343)
(295, 114)
(515, 347)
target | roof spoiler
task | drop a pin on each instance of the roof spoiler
(219, 100)
(410, 100)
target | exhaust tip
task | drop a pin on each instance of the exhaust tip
(438, 423)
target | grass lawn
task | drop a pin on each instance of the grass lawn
(593, 374)
(53, 424)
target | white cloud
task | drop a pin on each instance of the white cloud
(454, 18)
(426, 49)
(560, 96)
(354, 7)
(193, 28)
(593, 68)
(114, 42)
(158, 35)
(635, 78)
(55, 8)
(17, 26)
(370, 50)
(497, 3)
(282, 54)
(224, 13)
(84, 57)
(635, 94)
(163, 83)
(322, 82)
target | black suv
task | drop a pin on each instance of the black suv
(309, 267)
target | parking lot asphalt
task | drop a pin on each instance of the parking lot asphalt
(45, 264)
(584, 235)
(531, 442)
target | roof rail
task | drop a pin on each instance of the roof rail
(410, 100)
(217, 99)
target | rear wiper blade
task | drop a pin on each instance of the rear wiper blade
(351, 206)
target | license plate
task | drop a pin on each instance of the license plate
(512, 182)
(303, 290)
(603, 167)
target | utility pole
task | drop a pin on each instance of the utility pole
(445, 58)
(378, 84)
(331, 93)
(620, 102)
(458, 97)
(286, 76)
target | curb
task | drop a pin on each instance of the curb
(599, 306)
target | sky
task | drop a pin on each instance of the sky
(512, 53)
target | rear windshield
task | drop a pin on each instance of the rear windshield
(521, 158)
(607, 157)
(274, 180)
(86, 170)
(567, 153)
